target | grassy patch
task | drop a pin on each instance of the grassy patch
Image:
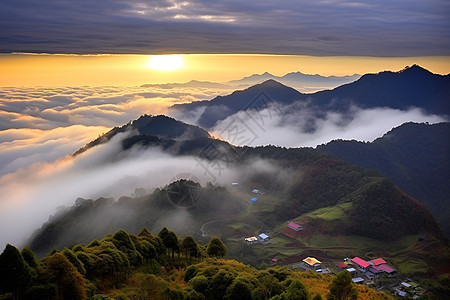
(410, 266)
(337, 212)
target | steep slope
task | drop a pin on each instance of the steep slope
(182, 205)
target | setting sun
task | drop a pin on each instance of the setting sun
(170, 62)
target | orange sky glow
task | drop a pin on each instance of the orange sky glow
(131, 70)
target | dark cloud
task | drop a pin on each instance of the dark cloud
(328, 27)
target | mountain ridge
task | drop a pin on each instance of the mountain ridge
(153, 128)
(414, 156)
(411, 87)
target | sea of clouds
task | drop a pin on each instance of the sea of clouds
(41, 127)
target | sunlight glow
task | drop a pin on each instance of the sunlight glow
(169, 62)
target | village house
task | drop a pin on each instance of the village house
(251, 240)
(358, 280)
(263, 238)
(312, 263)
(378, 267)
(295, 226)
(377, 262)
(292, 230)
(352, 271)
(257, 192)
(342, 266)
(388, 270)
(361, 264)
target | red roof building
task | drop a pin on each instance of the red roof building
(342, 266)
(361, 263)
(378, 261)
(295, 226)
(387, 269)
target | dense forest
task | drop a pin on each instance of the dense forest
(165, 266)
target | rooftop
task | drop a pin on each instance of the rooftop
(311, 261)
(263, 236)
(342, 266)
(386, 268)
(378, 261)
(294, 226)
(358, 279)
(360, 262)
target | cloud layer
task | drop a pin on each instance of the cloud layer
(44, 124)
(326, 27)
(42, 189)
(293, 126)
(39, 127)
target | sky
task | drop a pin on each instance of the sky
(72, 70)
(323, 28)
(132, 70)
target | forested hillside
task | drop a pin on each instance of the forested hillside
(414, 156)
(145, 266)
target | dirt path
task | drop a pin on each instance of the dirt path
(202, 229)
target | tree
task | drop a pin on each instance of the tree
(200, 284)
(220, 283)
(189, 247)
(269, 284)
(175, 243)
(216, 248)
(154, 240)
(342, 287)
(190, 272)
(296, 291)
(164, 236)
(169, 239)
(238, 290)
(122, 240)
(145, 233)
(70, 284)
(15, 274)
(29, 258)
(74, 260)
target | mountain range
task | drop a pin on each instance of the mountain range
(297, 80)
(413, 87)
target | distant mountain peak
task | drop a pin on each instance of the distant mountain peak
(271, 83)
(415, 69)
